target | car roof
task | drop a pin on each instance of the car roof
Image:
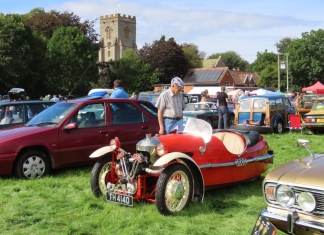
(263, 96)
(90, 99)
(26, 102)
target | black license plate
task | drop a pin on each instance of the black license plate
(120, 199)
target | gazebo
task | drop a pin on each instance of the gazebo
(318, 88)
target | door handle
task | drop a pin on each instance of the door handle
(103, 132)
(144, 127)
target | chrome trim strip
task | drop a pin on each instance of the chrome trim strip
(300, 222)
(238, 162)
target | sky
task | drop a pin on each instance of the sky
(215, 26)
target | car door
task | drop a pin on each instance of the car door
(91, 134)
(130, 122)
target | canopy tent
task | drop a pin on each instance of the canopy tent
(318, 88)
(264, 92)
(211, 90)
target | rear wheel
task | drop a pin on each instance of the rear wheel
(173, 189)
(101, 175)
(278, 127)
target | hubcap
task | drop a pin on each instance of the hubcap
(177, 191)
(33, 167)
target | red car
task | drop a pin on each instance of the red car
(66, 133)
(172, 170)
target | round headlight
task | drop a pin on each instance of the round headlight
(161, 150)
(285, 196)
(306, 202)
(115, 144)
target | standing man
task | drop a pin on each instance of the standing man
(118, 90)
(170, 105)
(222, 100)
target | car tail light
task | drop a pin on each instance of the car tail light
(309, 120)
(161, 150)
(115, 144)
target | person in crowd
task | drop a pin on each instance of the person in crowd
(170, 105)
(118, 90)
(55, 99)
(241, 94)
(222, 100)
(247, 93)
(134, 96)
(299, 100)
(204, 96)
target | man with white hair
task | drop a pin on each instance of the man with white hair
(170, 105)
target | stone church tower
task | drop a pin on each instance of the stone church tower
(117, 33)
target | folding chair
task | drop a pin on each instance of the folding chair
(295, 122)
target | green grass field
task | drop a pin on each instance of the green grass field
(62, 203)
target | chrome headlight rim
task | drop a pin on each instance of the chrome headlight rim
(285, 196)
(306, 201)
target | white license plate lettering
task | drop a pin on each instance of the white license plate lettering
(120, 199)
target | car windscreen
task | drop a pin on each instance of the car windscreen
(54, 114)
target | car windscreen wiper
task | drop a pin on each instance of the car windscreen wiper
(45, 123)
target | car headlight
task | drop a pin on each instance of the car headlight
(114, 144)
(269, 192)
(161, 149)
(285, 196)
(306, 202)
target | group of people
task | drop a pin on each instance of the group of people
(55, 98)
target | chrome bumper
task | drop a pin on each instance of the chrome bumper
(292, 220)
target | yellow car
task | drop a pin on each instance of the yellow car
(314, 120)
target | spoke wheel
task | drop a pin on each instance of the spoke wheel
(101, 175)
(174, 189)
(31, 165)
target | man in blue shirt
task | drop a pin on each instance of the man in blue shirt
(119, 91)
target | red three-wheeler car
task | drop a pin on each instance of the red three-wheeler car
(174, 169)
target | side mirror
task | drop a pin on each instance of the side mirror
(70, 126)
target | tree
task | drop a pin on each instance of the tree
(232, 60)
(45, 23)
(283, 44)
(192, 55)
(135, 75)
(21, 63)
(165, 56)
(306, 58)
(72, 62)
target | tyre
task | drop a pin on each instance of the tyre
(260, 129)
(173, 189)
(278, 127)
(101, 175)
(31, 165)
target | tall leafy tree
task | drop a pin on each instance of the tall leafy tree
(232, 60)
(306, 58)
(193, 55)
(165, 56)
(283, 44)
(72, 62)
(21, 59)
(45, 23)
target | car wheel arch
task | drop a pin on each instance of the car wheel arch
(34, 148)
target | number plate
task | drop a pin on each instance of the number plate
(120, 199)
(320, 120)
(263, 227)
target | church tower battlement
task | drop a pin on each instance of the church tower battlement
(117, 33)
